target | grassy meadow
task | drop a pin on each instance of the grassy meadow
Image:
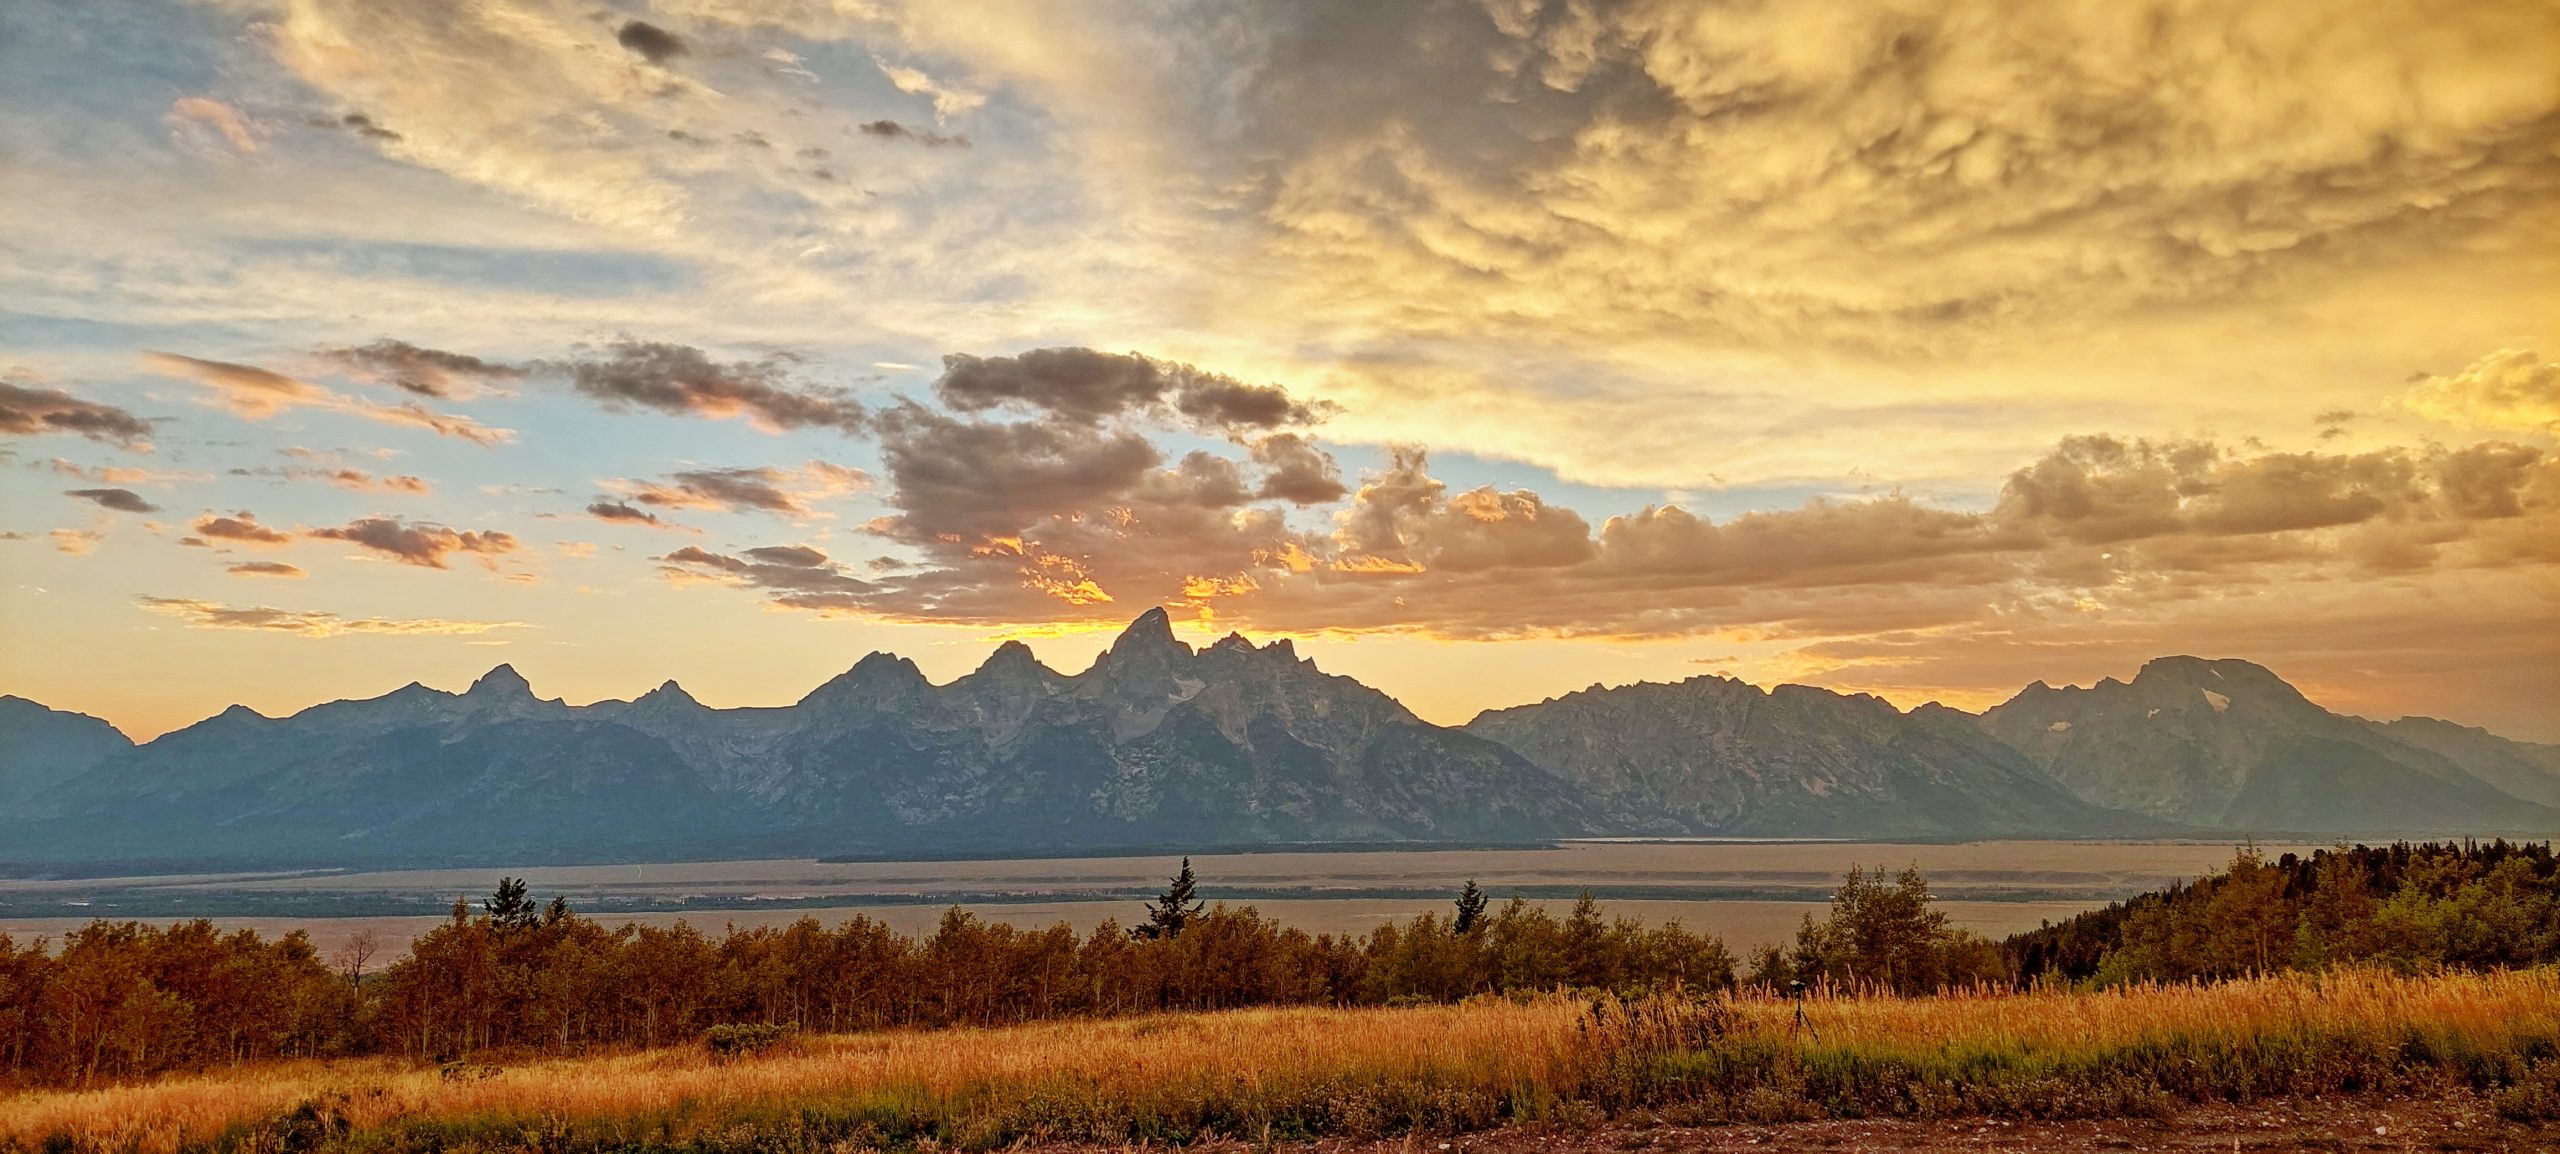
(1280, 1074)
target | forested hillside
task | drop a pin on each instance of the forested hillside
(2411, 907)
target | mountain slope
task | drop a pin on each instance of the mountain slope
(415, 772)
(1713, 755)
(41, 748)
(1158, 744)
(2229, 745)
(2527, 770)
(1155, 744)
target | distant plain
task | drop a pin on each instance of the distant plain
(1747, 892)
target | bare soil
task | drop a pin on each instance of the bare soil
(2351, 1124)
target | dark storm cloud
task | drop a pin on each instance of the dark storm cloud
(684, 380)
(651, 41)
(1088, 386)
(120, 500)
(426, 372)
(26, 411)
(424, 544)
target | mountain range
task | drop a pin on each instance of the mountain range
(1158, 744)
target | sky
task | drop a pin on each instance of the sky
(1490, 348)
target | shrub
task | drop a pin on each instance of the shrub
(744, 1039)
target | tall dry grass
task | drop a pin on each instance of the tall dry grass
(1286, 1073)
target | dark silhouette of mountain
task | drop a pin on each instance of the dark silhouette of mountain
(1153, 745)
(417, 772)
(1719, 756)
(2229, 745)
(1236, 744)
(41, 748)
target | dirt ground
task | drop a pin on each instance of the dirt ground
(2363, 1124)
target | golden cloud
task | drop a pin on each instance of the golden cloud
(2511, 389)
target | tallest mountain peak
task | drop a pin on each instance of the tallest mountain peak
(1152, 630)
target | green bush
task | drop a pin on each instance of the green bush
(744, 1039)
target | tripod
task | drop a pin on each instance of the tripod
(1803, 1023)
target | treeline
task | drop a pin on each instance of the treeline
(2421, 907)
(123, 1000)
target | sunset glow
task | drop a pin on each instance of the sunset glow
(1488, 350)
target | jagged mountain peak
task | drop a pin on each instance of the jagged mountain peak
(878, 673)
(1237, 648)
(1151, 632)
(413, 691)
(1012, 657)
(1146, 659)
(879, 666)
(502, 681)
(2228, 744)
(668, 693)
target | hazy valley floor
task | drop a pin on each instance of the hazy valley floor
(1749, 893)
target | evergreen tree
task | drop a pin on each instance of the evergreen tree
(1167, 915)
(512, 906)
(1471, 902)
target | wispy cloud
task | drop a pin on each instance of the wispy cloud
(312, 623)
(26, 410)
(419, 543)
(257, 394)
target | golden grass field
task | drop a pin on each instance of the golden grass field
(1295, 1073)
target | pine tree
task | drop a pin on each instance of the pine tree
(512, 906)
(1471, 902)
(1167, 915)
